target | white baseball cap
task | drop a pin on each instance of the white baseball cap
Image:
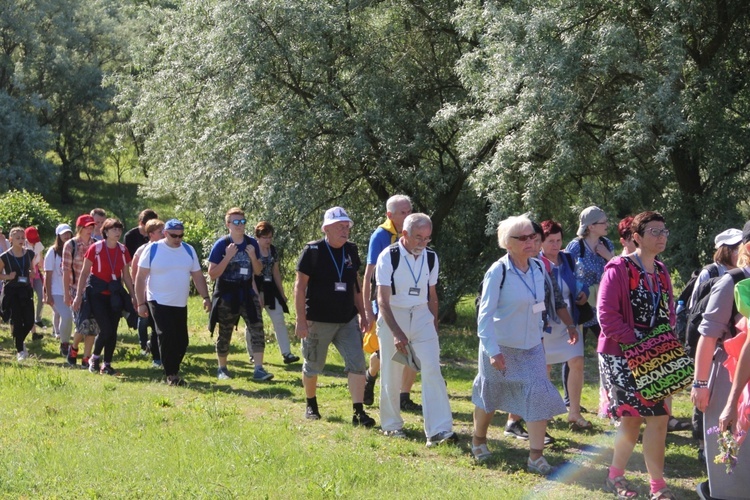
(730, 237)
(334, 215)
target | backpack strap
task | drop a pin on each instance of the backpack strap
(713, 270)
(395, 254)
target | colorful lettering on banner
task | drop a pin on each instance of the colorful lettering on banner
(659, 364)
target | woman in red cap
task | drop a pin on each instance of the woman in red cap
(37, 278)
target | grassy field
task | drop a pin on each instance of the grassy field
(67, 433)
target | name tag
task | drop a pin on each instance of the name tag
(339, 286)
(267, 279)
(414, 291)
(114, 278)
(539, 307)
(244, 271)
(23, 279)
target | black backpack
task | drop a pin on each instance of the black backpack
(682, 315)
(396, 258)
(695, 315)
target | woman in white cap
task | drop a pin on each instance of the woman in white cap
(62, 317)
(727, 245)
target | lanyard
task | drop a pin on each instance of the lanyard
(655, 295)
(109, 258)
(22, 264)
(419, 274)
(533, 281)
(340, 271)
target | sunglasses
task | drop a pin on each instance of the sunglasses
(178, 236)
(239, 222)
(524, 237)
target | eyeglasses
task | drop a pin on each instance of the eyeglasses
(525, 237)
(239, 222)
(421, 240)
(178, 236)
(655, 232)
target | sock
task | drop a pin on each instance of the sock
(657, 484)
(615, 472)
(312, 403)
(358, 407)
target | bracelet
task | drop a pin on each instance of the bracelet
(700, 384)
(570, 326)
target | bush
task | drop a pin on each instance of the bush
(24, 209)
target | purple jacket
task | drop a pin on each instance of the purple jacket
(615, 310)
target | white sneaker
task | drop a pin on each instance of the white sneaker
(22, 356)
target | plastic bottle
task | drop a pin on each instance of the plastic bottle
(579, 275)
(680, 306)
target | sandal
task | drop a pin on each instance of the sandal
(580, 424)
(480, 452)
(620, 487)
(663, 494)
(676, 425)
(539, 466)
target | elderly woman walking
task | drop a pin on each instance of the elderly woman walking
(512, 368)
(635, 298)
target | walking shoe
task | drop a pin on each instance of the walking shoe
(261, 375)
(312, 413)
(290, 358)
(442, 437)
(37, 336)
(517, 430)
(398, 434)
(408, 405)
(72, 356)
(95, 365)
(369, 397)
(176, 381)
(363, 419)
(222, 373)
(64, 348)
(85, 363)
(22, 356)
(39, 323)
(107, 369)
(548, 440)
(157, 364)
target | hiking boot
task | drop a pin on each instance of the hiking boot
(362, 419)
(261, 375)
(290, 358)
(312, 413)
(408, 405)
(95, 365)
(369, 397)
(107, 369)
(442, 437)
(517, 430)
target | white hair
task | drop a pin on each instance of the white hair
(395, 200)
(416, 221)
(510, 226)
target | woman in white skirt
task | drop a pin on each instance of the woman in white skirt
(558, 346)
(512, 369)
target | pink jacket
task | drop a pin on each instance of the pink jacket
(615, 310)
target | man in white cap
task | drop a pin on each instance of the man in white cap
(408, 302)
(328, 299)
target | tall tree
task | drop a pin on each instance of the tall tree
(290, 107)
(629, 105)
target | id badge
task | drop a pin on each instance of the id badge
(244, 271)
(339, 286)
(267, 279)
(539, 307)
(114, 278)
(414, 291)
(23, 279)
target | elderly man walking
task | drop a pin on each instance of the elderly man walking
(327, 300)
(406, 275)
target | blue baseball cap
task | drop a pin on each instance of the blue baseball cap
(174, 224)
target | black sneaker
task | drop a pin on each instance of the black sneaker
(369, 397)
(72, 356)
(39, 323)
(107, 369)
(548, 440)
(85, 363)
(409, 405)
(290, 358)
(37, 336)
(517, 430)
(94, 365)
(312, 413)
(362, 419)
(64, 349)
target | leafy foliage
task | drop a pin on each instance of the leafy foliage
(24, 209)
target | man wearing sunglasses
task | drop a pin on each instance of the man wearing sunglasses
(162, 287)
(232, 263)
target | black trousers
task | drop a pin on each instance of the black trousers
(108, 321)
(172, 332)
(21, 316)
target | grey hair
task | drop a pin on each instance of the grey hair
(511, 225)
(395, 200)
(416, 221)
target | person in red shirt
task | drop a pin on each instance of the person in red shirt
(101, 294)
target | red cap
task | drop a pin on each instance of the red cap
(32, 235)
(85, 220)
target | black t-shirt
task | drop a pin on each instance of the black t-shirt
(322, 301)
(19, 265)
(134, 239)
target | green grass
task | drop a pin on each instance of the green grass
(67, 433)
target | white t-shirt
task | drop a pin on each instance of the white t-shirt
(410, 292)
(53, 262)
(169, 276)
